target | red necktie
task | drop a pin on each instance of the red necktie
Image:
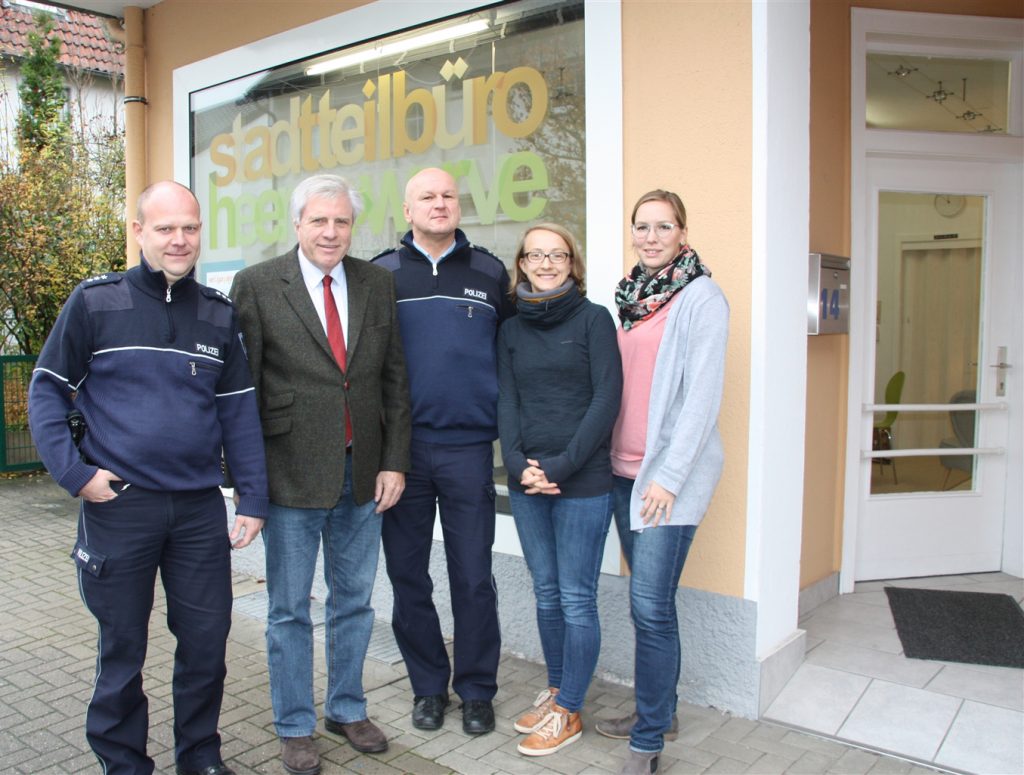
(337, 342)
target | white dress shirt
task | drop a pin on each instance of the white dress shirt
(313, 277)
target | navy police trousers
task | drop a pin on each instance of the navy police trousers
(458, 481)
(121, 545)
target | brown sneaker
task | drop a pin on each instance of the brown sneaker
(535, 716)
(299, 756)
(363, 735)
(560, 728)
(619, 728)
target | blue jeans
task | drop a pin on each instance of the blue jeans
(655, 557)
(563, 541)
(351, 541)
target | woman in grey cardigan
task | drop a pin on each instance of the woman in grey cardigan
(666, 449)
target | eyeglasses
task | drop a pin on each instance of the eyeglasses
(555, 256)
(663, 229)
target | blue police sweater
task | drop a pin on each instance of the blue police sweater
(161, 377)
(449, 317)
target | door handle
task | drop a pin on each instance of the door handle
(1002, 366)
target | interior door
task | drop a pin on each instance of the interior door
(947, 247)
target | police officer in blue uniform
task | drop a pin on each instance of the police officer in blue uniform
(452, 296)
(152, 362)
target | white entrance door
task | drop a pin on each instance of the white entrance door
(943, 282)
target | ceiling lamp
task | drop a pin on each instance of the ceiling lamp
(399, 47)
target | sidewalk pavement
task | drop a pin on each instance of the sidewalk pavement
(47, 663)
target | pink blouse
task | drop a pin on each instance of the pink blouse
(639, 350)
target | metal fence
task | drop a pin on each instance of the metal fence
(17, 452)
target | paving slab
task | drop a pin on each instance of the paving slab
(47, 660)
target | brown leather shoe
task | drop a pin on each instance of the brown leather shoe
(299, 756)
(363, 735)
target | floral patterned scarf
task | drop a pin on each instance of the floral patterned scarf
(639, 294)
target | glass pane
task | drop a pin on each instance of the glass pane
(937, 94)
(930, 254)
(501, 504)
(932, 473)
(497, 97)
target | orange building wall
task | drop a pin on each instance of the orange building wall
(687, 127)
(827, 356)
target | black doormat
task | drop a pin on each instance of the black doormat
(975, 627)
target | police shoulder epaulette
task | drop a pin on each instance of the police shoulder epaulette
(386, 251)
(213, 293)
(482, 249)
(102, 279)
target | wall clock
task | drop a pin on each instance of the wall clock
(949, 205)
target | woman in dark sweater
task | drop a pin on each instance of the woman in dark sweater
(560, 383)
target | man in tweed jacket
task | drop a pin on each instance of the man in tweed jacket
(323, 487)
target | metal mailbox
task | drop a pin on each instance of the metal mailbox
(828, 294)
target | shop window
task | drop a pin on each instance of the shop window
(495, 96)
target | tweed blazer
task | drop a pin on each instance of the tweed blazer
(302, 393)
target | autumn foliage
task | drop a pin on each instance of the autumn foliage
(61, 203)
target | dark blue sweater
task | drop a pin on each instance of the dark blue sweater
(560, 388)
(162, 380)
(449, 319)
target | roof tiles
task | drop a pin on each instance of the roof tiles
(87, 42)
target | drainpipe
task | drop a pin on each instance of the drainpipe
(135, 154)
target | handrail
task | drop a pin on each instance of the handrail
(1001, 405)
(887, 453)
